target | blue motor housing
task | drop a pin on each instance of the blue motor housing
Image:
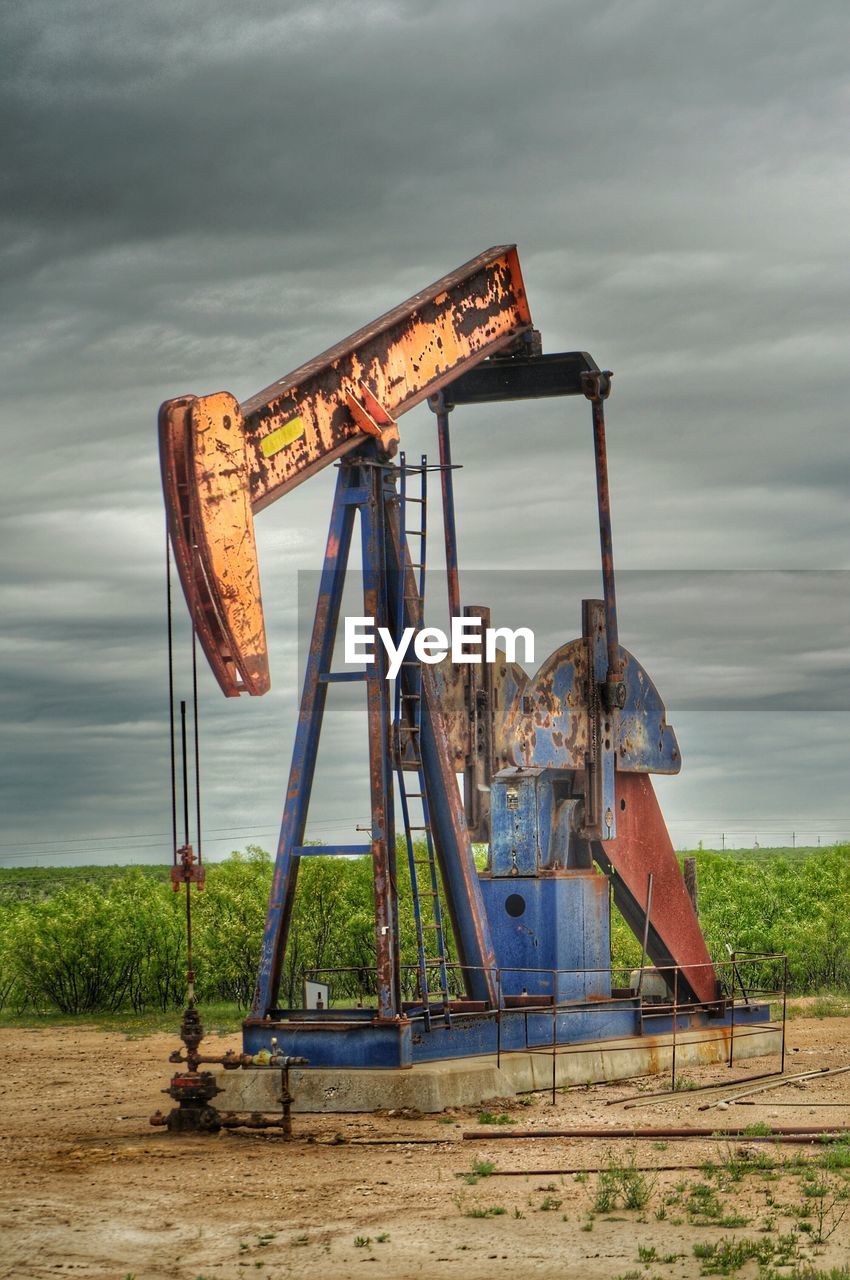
(549, 915)
(544, 924)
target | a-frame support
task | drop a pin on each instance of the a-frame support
(367, 485)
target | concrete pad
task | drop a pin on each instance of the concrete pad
(434, 1086)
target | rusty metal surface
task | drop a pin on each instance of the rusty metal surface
(549, 725)
(221, 462)
(646, 743)
(224, 529)
(597, 387)
(403, 357)
(174, 458)
(509, 681)
(470, 926)
(643, 846)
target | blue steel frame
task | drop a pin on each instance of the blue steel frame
(367, 485)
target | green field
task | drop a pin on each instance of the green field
(109, 940)
(28, 883)
(799, 853)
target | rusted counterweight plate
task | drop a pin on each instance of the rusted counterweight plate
(219, 466)
(642, 846)
(509, 682)
(549, 725)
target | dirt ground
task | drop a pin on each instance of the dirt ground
(90, 1189)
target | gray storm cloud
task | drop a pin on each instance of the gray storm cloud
(197, 197)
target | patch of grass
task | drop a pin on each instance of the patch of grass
(826, 1006)
(495, 1211)
(549, 1203)
(220, 1018)
(725, 1257)
(836, 1156)
(622, 1183)
(808, 1271)
(829, 1200)
(758, 1130)
(487, 1117)
(362, 1242)
(479, 1169)
(704, 1207)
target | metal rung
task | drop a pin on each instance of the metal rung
(415, 795)
(412, 696)
(422, 862)
(411, 564)
(415, 533)
(419, 828)
(419, 500)
(437, 927)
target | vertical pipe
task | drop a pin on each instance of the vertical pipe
(603, 498)
(190, 974)
(675, 1020)
(185, 774)
(645, 939)
(691, 883)
(554, 1037)
(197, 740)
(784, 1010)
(170, 616)
(438, 406)
(498, 1018)
(375, 605)
(732, 1017)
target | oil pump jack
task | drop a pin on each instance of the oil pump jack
(556, 764)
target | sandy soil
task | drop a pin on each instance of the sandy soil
(90, 1189)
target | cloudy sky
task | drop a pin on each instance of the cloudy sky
(200, 196)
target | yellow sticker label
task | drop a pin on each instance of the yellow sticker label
(282, 436)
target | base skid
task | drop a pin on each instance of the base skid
(433, 1086)
(353, 1040)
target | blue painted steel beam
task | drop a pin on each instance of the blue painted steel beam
(306, 747)
(470, 926)
(376, 605)
(331, 850)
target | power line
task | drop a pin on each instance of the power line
(119, 845)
